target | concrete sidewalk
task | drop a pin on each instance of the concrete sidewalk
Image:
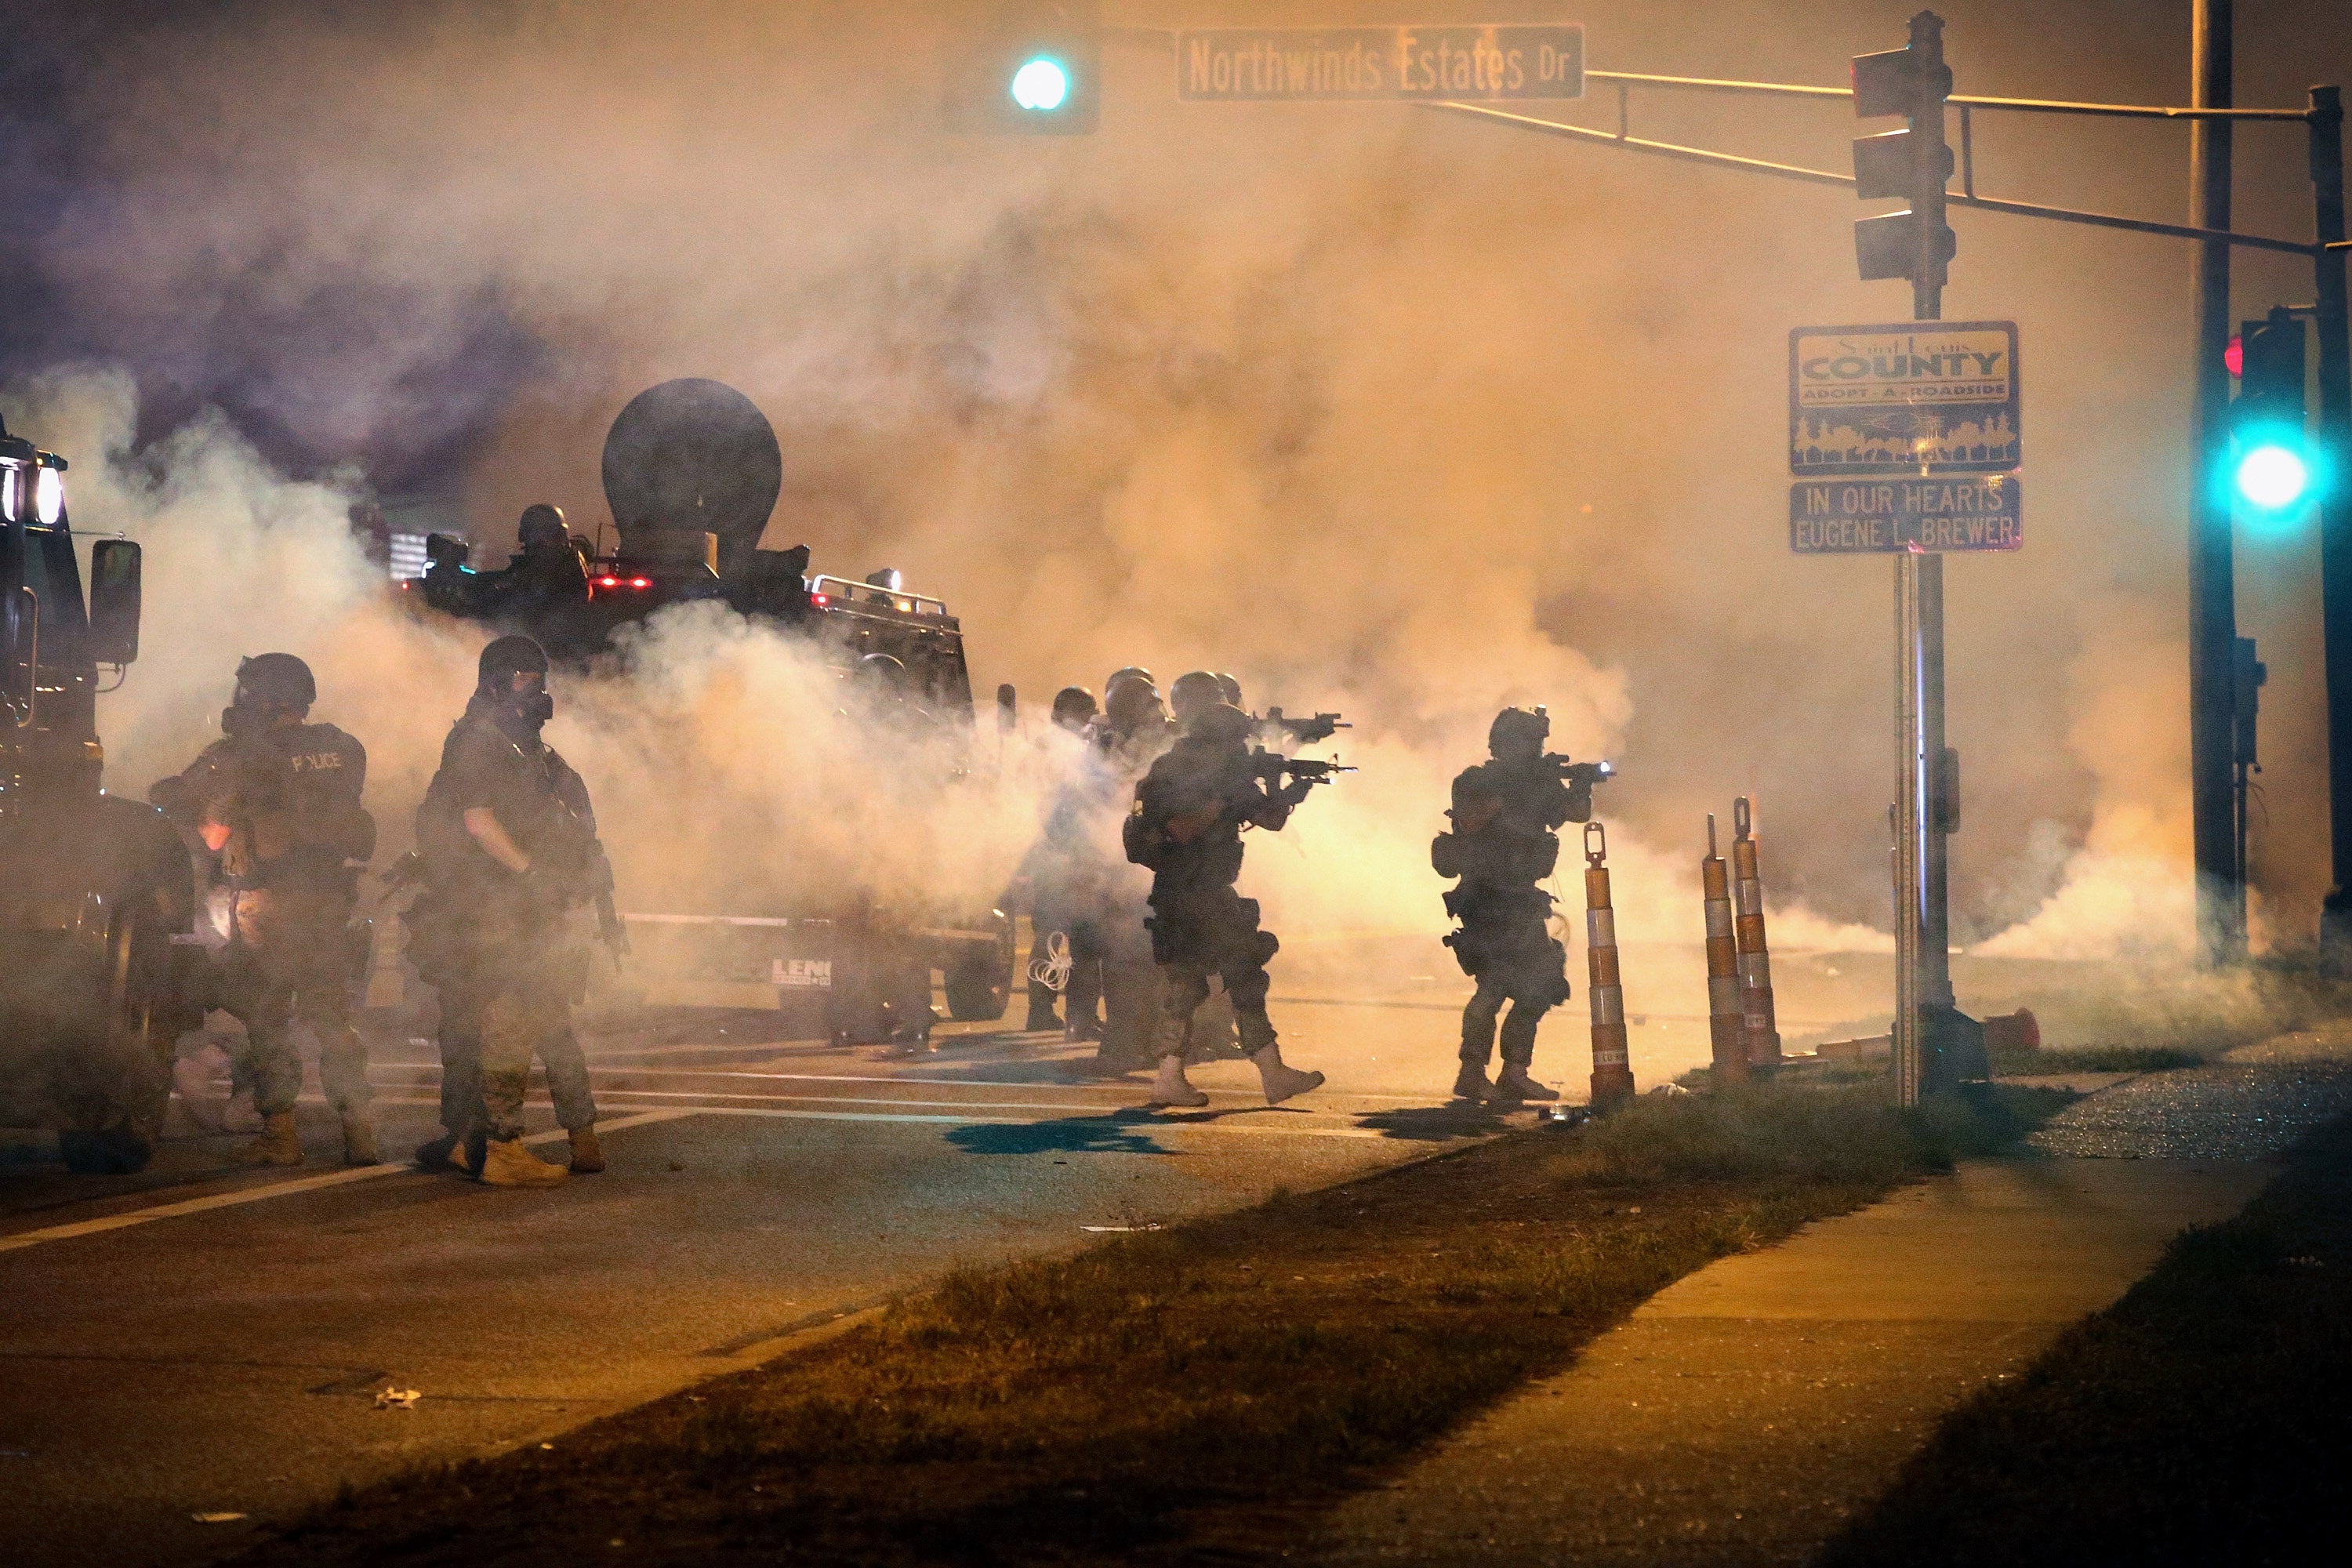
(1745, 1412)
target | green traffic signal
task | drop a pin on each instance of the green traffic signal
(1030, 67)
(2274, 470)
(2271, 475)
(1041, 85)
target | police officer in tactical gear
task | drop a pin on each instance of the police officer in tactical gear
(545, 585)
(509, 839)
(277, 798)
(1129, 736)
(1186, 827)
(1504, 841)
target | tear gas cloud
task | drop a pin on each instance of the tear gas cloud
(730, 765)
(1380, 410)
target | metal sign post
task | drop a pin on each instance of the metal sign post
(1915, 163)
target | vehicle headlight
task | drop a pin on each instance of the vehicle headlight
(8, 483)
(48, 496)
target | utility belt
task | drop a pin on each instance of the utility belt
(1485, 903)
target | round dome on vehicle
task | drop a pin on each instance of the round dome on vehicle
(689, 456)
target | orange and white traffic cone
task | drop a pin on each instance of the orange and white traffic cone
(1757, 1022)
(1613, 1073)
(1727, 1024)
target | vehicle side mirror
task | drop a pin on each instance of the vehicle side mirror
(114, 601)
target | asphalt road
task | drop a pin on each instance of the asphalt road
(198, 1341)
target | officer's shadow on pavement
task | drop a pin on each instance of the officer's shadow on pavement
(1435, 1123)
(1119, 1133)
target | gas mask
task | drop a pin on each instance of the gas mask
(246, 717)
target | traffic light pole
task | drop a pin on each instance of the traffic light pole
(2212, 581)
(1923, 945)
(2326, 121)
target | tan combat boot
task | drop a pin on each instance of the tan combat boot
(507, 1163)
(1513, 1084)
(1471, 1084)
(1282, 1080)
(278, 1146)
(587, 1154)
(358, 1139)
(1171, 1088)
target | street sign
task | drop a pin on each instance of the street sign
(1263, 65)
(1935, 397)
(1935, 515)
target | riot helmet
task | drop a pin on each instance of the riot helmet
(1131, 704)
(1220, 723)
(542, 526)
(1232, 691)
(276, 680)
(1518, 733)
(1074, 706)
(506, 659)
(1193, 694)
(268, 685)
(1132, 672)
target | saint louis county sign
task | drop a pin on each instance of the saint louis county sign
(1257, 65)
(1904, 436)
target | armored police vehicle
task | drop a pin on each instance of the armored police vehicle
(93, 888)
(692, 470)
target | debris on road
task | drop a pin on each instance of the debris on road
(216, 1518)
(398, 1398)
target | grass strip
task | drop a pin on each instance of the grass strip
(1169, 1395)
(2019, 1062)
(2203, 1419)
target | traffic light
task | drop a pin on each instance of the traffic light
(1034, 67)
(1913, 163)
(2270, 456)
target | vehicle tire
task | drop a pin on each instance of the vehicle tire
(118, 1135)
(980, 986)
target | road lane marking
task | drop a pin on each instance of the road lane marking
(283, 1189)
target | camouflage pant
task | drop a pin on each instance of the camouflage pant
(289, 962)
(1212, 931)
(523, 1013)
(462, 1099)
(1515, 961)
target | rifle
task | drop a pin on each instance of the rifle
(610, 929)
(1306, 731)
(1271, 766)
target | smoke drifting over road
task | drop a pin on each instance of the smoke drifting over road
(1380, 410)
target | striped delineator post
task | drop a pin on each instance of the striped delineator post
(1726, 1024)
(1613, 1073)
(1760, 1025)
